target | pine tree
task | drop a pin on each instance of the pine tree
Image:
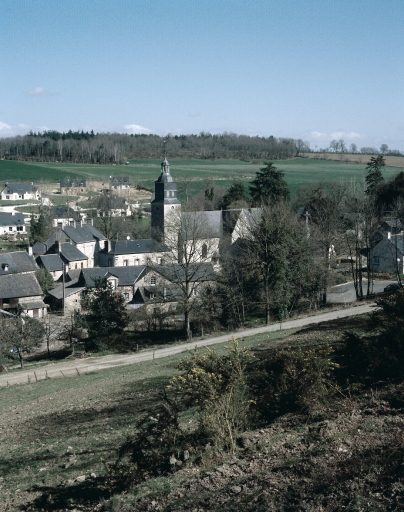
(268, 186)
(374, 173)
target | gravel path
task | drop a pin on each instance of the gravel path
(92, 364)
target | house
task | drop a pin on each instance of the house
(113, 206)
(15, 191)
(388, 255)
(123, 280)
(53, 264)
(24, 291)
(124, 253)
(19, 262)
(12, 223)
(73, 187)
(119, 183)
(65, 216)
(85, 237)
(163, 287)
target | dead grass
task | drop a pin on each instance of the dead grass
(391, 161)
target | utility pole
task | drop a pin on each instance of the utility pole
(63, 288)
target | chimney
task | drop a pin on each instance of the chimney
(30, 251)
(389, 234)
(13, 212)
(58, 247)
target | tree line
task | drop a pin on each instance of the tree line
(116, 148)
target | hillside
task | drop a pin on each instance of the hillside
(343, 453)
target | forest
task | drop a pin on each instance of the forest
(116, 148)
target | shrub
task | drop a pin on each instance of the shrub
(292, 380)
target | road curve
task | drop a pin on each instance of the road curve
(93, 364)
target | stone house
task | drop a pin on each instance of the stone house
(19, 262)
(119, 183)
(126, 253)
(72, 187)
(22, 290)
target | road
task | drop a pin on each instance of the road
(93, 364)
(345, 293)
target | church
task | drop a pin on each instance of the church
(195, 235)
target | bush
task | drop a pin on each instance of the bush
(292, 380)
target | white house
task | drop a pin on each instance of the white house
(15, 191)
(11, 223)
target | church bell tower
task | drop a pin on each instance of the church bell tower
(165, 206)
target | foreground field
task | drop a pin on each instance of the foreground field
(54, 434)
(298, 171)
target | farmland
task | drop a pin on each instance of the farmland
(298, 171)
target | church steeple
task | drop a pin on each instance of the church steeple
(165, 200)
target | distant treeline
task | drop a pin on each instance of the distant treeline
(116, 148)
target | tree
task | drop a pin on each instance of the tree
(38, 228)
(323, 202)
(20, 334)
(107, 317)
(374, 176)
(191, 244)
(278, 253)
(384, 149)
(268, 186)
(45, 280)
(235, 194)
(353, 148)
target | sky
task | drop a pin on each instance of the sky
(308, 69)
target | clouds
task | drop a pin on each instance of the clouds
(39, 92)
(136, 128)
(346, 135)
(5, 129)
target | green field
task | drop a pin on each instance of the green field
(298, 171)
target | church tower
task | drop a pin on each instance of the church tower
(165, 203)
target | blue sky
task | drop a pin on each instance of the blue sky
(307, 69)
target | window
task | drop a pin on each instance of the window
(7, 197)
(204, 251)
(75, 266)
(136, 262)
(151, 295)
(20, 228)
(59, 225)
(126, 296)
(125, 263)
(113, 283)
(81, 265)
(375, 260)
(153, 281)
(10, 228)
(159, 261)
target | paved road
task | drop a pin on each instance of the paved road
(345, 293)
(93, 364)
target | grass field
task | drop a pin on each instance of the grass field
(298, 171)
(92, 414)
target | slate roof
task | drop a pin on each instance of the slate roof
(85, 233)
(159, 294)
(70, 289)
(60, 212)
(9, 219)
(19, 261)
(216, 223)
(51, 262)
(71, 253)
(177, 273)
(39, 248)
(127, 276)
(21, 188)
(19, 285)
(141, 246)
(33, 304)
(394, 224)
(397, 241)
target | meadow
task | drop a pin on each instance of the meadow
(198, 174)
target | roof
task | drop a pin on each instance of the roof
(17, 262)
(61, 212)
(192, 272)
(51, 262)
(144, 245)
(39, 248)
(119, 180)
(157, 294)
(33, 304)
(78, 234)
(397, 241)
(112, 203)
(21, 188)
(11, 219)
(19, 285)
(70, 289)
(127, 276)
(71, 253)
(395, 224)
(73, 183)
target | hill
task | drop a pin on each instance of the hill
(345, 452)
